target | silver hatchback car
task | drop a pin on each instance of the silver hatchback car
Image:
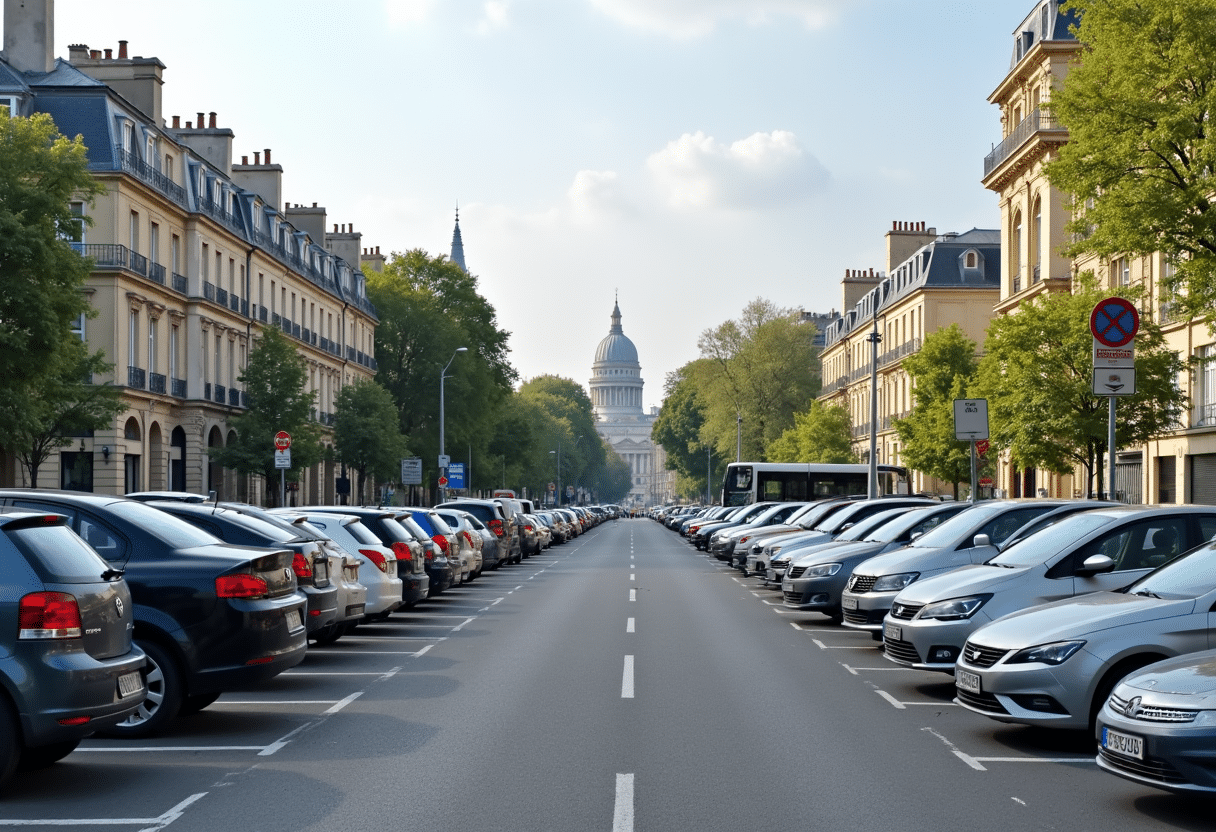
(1102, 549)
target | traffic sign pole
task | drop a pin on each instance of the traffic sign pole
(1114, 323)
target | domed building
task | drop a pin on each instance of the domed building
(616, 398)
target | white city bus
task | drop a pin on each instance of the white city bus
(750, 482)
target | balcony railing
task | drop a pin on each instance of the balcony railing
(177, 388)
(234, 397)
(180, 283)
(1034, 123)
(156, 272)
(221, 394)
(1205, 415)
(156, 382)
(209, 291)
(221, 296)
(136, 378)
(130, 163)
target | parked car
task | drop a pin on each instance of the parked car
(785, 549)
(1158, 727)
(815, 582)
(723, 542)
(68, 665)
(480, 538)
(210, 616)
(378, 572)
(972, 536)
(528, 535)
(443, 564)
(389, 527)
(1100, 549)
(759, 546)
(1056, 664)
(496, 519)
(309, 561)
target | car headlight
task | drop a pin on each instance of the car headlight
(1055, 653)
(821, 570)
(956, 609)
(894, 583)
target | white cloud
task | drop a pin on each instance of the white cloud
(697, 171)
(696, 18)
(405, 12)
(596, 193)
(494, 16)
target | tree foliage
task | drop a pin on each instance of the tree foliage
(1140, 163)
(678, 429)
(821, 433)
(567, 428)
(428, 308)
(366, 434)
(941, 371)
(762, 368)
(1037, 375)
(41, 277)
(275, 382)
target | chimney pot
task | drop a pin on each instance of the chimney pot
(268, 155)
(122, 49)
(200, 121)
(257, 160)
(95, 54)
(109, 54)
(244, 160)
(211, 124)
(189, 125)
(335, 228)
(177, 122)
(314, 205)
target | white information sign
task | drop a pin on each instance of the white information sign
(970, 419)
(411, 471)
(282, 459)
(1114, 381)
(1117, 357)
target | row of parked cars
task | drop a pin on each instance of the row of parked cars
(120, 614)
(1070, 614)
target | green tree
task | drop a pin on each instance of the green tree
(614, 481)
(678, 429)
(821, 433)
(275, 381)
(761, 369)
(1037, 377)
(570, 427)
(1140, 164)
(428, 308)
(941, 371)
(41, 275)
(366, 434)
(66, 404)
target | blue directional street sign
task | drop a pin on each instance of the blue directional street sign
(456, 475)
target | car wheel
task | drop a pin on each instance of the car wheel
(328, 635)
(45, 755)
(164, 699)
(197, 702)
(10, 745)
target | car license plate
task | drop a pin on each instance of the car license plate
(129, 683)
(1125, 745)
(787, 586)
(969, 682)
(848, 603)
(320, 570)
(892, 632)
(354, 609)
(294, 620)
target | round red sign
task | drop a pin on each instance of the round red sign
(443, 481)
(282, 440)
(1114, 322)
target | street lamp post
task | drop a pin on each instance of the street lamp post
(875, 339)
(557, 497)
(443, 464)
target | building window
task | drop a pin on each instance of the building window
(153, 242)
(135, 231)
(9, 103)
(74, 232)
(1015, 251)
(173, 352)
(206, 262)
(1120, 272)
(1036, 231)
(153, 332)
(133, 338)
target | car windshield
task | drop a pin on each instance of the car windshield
(811, 519)
(276, 532)
(1049, 541)
(861, 528)
(177, 533)
(895, 526)
(948, 533)
(1186, 576)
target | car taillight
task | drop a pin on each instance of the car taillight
(299, 565)
(402, 550)
(442, 543)
(240, 585)
(496, 527)
(468, 537)
(528, 527)
(48, 615)
(376, 558)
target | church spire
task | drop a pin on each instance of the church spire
(616, 319)
(458, 245)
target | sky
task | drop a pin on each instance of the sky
(683, 156)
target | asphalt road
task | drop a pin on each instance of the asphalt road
(620, 682)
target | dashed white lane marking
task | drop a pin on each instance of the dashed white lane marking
(633, 595)
(629, 625)
(633, 576)
(622, 811)
(627, 679)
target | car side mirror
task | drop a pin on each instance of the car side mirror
(1095, 564)
(916, 536)
(981, 540)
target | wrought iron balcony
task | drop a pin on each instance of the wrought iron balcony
(136, 378)
(156, 382)
(1035, 123)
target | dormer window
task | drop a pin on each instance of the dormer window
(1046, 14)
(971, 260)
(9, 102)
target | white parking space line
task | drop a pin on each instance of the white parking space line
(823, 646)
(139, 749)
(903, 706)
(148, 824)
(461, 625)
(629, 625)
(219, 703)
(627, 679)
(856, 670)
(338, 706)
(622, 810)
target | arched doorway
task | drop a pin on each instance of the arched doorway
(177, 460)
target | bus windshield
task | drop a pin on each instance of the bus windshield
(751, 482)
